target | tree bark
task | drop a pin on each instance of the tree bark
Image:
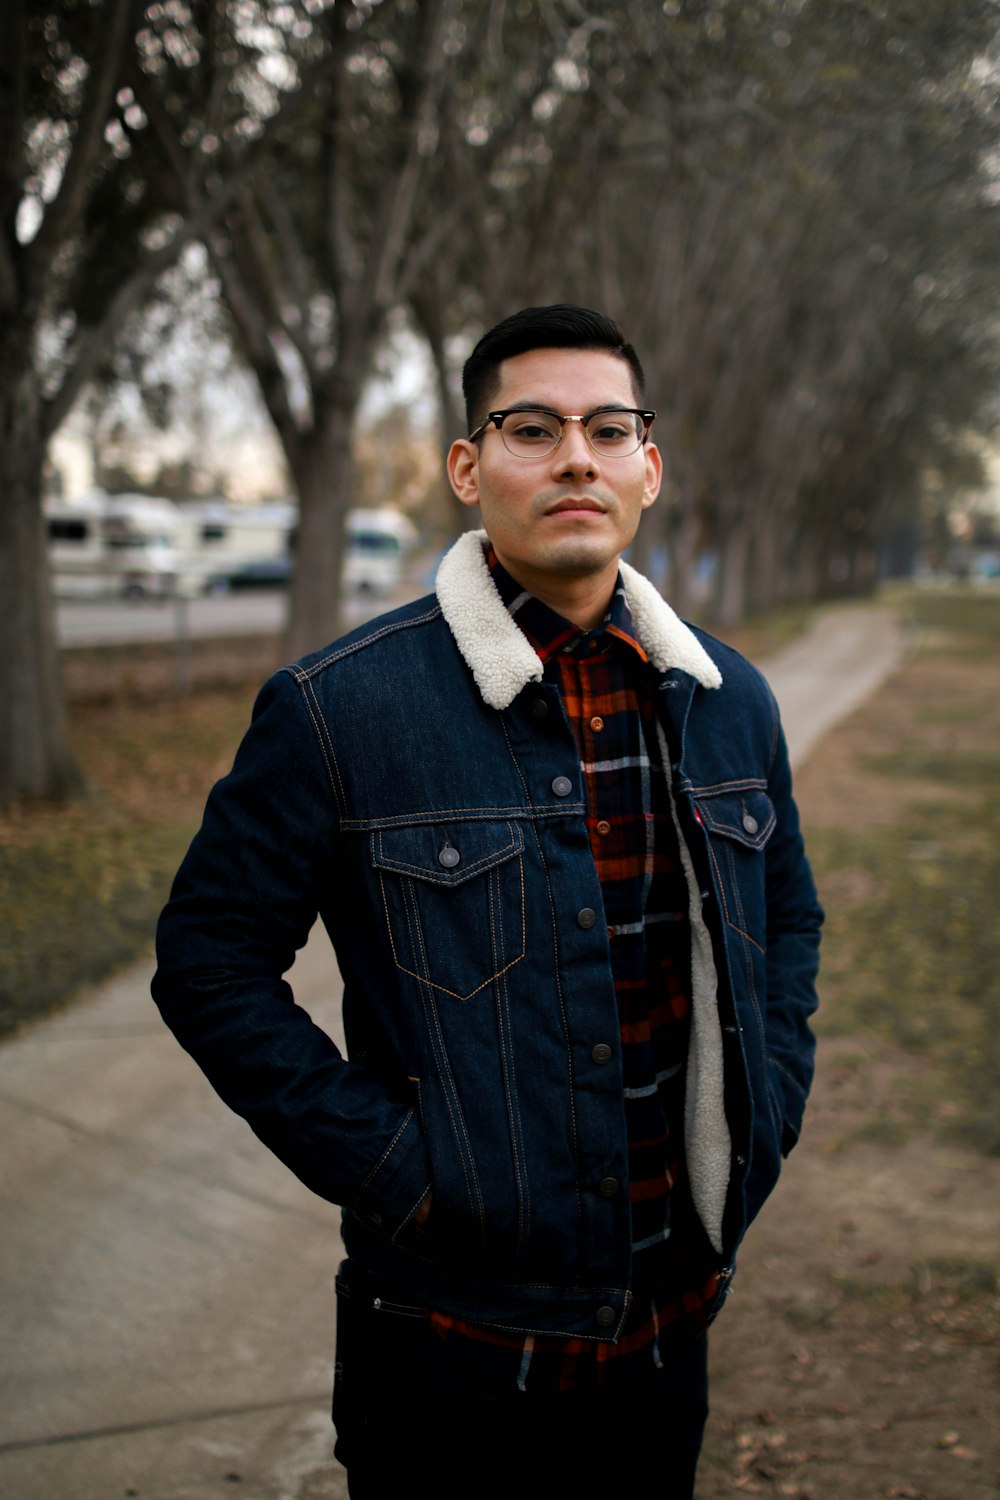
(730, 604)
(682, 533)
(35, 756)
(325, 481)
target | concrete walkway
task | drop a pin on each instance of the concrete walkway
(166, 1287)
(832, 669)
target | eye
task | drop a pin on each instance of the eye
(608, 427)
(531, 427)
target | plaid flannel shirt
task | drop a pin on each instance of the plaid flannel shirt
(607, 687)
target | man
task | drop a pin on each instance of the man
(550, 830)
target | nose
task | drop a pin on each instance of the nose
(573, 454)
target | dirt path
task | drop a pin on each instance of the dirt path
(831, 670)
(857, 1357)
(167, 1287)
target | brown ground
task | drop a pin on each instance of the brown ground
(858, 1353)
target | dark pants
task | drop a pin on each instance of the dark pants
(408, 1413)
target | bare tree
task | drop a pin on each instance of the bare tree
(87, 225)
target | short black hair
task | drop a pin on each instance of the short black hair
(561, 326)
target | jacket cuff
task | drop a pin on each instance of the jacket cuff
(398, 1183)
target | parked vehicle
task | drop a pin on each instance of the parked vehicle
(145, 547)
(232, 546)
(263, 573)
(128, 544)
(378, 543)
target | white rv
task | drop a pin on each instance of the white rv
(142, 547)
(378, 543)
(128, 544)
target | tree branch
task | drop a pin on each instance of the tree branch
(378, 286)
(340, 247)
(105, 70)
(296, 281)
(13, 88)
(84, 362)
(245, 300)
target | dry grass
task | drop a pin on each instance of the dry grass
(904, 830)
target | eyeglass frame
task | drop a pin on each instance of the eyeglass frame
(498, 418)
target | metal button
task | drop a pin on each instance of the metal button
(562, 786)
(605, 1317)
(608, 1187)
(539, 708)
(448, 856)
(604, 826)
(750, 824)
(586, 917)
(602, 1053)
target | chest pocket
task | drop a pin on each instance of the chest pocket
(739, 824)
(454, 901)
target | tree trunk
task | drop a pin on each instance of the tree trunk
(427, 311)
(326, 485)
(682, 534)
(35, 757)
(730, 605)
(767, 551)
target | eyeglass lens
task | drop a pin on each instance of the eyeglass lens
(533, 434)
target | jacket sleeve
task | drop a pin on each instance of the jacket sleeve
(794, 917)
(243, 902)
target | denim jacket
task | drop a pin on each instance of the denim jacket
(418, 786)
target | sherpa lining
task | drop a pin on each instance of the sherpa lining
(498, 654)
(707, 1143)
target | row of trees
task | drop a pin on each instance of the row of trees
(789, 205)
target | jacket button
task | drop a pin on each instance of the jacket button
(448, 856)
(602, 1053)
(539, 708)
(750, 824)
(605, 1317)
(586, 917)
(562, 786)
(608, 1187)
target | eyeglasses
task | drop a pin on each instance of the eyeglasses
(611, 431)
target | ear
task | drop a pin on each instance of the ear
(654, 474)
(463, 471)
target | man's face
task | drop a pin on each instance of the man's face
(570, 514)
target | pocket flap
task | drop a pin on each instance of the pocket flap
(746, 817)
(445, 854)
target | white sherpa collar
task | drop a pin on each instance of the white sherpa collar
(498, 654)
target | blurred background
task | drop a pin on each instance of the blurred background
(247, 243)
(245, 247)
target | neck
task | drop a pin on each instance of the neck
(583, 601)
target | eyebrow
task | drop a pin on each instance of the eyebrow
(551, 411)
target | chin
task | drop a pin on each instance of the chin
(580, 559)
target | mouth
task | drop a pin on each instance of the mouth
(572, 504)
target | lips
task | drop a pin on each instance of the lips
(575, 503)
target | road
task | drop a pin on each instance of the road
(167, 1288)
(116, 622)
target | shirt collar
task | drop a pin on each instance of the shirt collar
(549, 632)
